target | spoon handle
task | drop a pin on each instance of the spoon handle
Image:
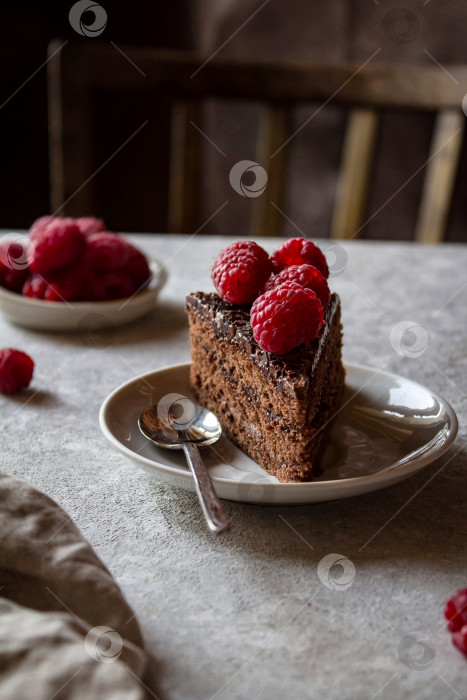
(214, 514)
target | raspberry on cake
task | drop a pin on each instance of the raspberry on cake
(272, 374)
(285, 317)
(299, 251)
(306, 276)
(240, 271)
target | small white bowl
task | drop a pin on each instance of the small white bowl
(82, 315)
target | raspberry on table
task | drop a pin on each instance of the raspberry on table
(459, 639)
(306, 276)
(89, 225)
(240, 272)
(16, 369)
(58, 244)
(299, 251)
(285, 317)
(455, 611)
(13, 264)
(106, 251)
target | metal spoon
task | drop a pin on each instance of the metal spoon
(164, 429)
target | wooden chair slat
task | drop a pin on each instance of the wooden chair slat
(355, 173)
(185, 167)
(274, 130)
(70, 145)
(376, 84)
(440, 176)
(80, 69)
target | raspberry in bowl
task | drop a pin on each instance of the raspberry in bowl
(67, 272)
(266, 354)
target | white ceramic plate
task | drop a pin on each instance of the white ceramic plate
(388, 428)
(81, 315)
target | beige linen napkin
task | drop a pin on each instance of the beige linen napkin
(65, 629)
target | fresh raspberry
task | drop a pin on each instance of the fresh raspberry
(106, 251)
(138, 269)
(16, 370)
(299, 251)
(89, 225)
(86, 224)
(35, 287)
(240, 271)
(455, 611)
(66, 284)
(459, 639)
(112, 284)
(285, 317)
(306, 276)
(57, 245)
(13, 264)
(39, 225)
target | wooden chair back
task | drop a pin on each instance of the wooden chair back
(79, 70)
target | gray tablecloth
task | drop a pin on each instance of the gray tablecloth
(246, 615)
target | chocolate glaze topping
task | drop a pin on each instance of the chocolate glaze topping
(291, 372)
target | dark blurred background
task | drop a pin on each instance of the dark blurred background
(323, 30)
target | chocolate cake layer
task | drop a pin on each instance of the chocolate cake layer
(277, 408)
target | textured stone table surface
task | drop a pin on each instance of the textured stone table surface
(245, 615)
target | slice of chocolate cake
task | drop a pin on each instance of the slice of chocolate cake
(276, 408)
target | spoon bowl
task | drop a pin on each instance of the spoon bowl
(202, 429)
(177, 423)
